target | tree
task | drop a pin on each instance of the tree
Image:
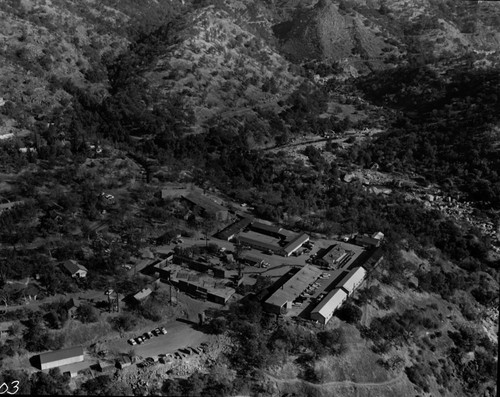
(16, 377)
(217, 325)
(51, 384)
(332, 340)
(172, 387)
(124, 322)
(349, 313)
(104, 385)
(87, 313)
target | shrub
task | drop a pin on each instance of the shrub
(349, 313)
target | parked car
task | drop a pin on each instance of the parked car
(132, 341)
(163, 330)
(156, 332)
(139, 340)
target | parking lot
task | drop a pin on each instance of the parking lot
(180, 334)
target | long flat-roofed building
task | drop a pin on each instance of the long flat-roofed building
(265, 228)
(207, 205)
(59, 358)
(261, 242)
(281, 300)
(295, 244)
(323, 312)
(352, 280)
(229, 232)
(366, 241)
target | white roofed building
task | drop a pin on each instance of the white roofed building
(352, 280)
(61, 357)
(323, 312)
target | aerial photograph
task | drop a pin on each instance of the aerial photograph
(239, 198)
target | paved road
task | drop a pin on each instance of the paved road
(180, 334)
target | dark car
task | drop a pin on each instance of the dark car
(156, 332)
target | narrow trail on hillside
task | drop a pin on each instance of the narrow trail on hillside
(333, 384)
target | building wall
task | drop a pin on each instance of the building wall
(296, 246)
(66, 361)
(256, 245)
(272, 308)
(323, 319)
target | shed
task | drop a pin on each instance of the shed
(74, 269)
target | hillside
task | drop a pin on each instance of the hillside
(378, 34)
(47, 45)
(332, 118)
(221, 69)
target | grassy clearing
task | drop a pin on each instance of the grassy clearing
(358, 364)
(77, 333)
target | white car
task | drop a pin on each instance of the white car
(132, 341)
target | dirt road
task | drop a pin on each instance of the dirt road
(331, 387)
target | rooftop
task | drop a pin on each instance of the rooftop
(330, 302)
(236, 227)
(261, 239)
(333, 253)
(204, 202)
(367, 240)
(296, 242)
(142, 294)
(251, 258)
(292, 288)
(73, 266)
(265, 227)
(354, 276)
(211, 285)
(61, 354)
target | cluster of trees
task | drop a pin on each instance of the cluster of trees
(442, 132)
(394, 328)
(38, 330)
(104, 385)
(199, 384)
(263, 341)
(476, 373)
(40, 383)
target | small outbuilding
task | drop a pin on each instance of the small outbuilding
(74, 269)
